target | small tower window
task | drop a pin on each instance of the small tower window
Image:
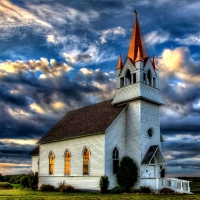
(144, 78)
(150, 132)
(115, 160)
(134, 78)
(154, 82)
(149, 76)
(128, 77)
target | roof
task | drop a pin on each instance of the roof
(150, 153)
(35, 151)
(136, 42)
(120, 63)
(154, 151)
(85, 121)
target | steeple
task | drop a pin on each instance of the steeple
(120, 63)
(154, 62)
(139, 57)
(136, 42)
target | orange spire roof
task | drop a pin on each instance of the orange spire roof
(136, 42)
(154, 62)
(139, 57)
(120, 63)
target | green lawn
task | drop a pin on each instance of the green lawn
(19, 194)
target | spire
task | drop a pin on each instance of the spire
(136, 42)
(139, 57)
(154, 62)
(120, 63)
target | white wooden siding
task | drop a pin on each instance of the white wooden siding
(114, 137)
(95, 143)
(149, 118)
(34, 163)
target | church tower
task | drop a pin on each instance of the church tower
(137, 84)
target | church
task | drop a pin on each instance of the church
(90, 142)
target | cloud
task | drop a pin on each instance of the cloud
(32, 66)
(156, 37)
(111, 34)
(51, 38)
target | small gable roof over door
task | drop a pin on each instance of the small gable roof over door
(85, 121)
(154, 151)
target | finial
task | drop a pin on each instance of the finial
(135, 13)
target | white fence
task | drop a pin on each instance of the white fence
(175, 184)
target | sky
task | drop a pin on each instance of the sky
(60, 55)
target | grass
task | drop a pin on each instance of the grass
(24, 194)
(19, 194)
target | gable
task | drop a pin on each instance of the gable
(150, 66)
(85, 121)
(128, 65)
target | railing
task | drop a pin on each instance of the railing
(177, 185)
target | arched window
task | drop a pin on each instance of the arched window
(67, 162)
(86, 157)
(115, 160)
(149, 77)
(128, 77)
(51, 163)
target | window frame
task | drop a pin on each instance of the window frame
(86, 160)
(51, 163)
(69, 162)
(115, 160)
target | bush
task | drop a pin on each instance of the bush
(61, 184)
(67, 188)
(167, 191)
(104, 184)
(33, 180)
(127, 173)
(117, 190)
(144, 189)
(47, 187)
(5, 185)
(24, 181)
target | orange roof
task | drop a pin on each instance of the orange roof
(120, 63)
(154, 63)
(139, 57)
(136, 42)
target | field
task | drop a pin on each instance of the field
(22, 194)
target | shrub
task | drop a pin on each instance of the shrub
(33, 180)
(167, 191)
(127, 173)
(5, 185)
(144, 189)
(24, 181)
(47, 187)
(117, 190)
(67, 188)
(61, 184)
(104, 184)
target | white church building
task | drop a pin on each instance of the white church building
(90, 142)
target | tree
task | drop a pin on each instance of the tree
(33, 180)
(104, 184)
(1, 178)
(127, 173)
(24, 181)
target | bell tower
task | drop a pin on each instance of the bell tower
(138, 77)
(137, 84)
